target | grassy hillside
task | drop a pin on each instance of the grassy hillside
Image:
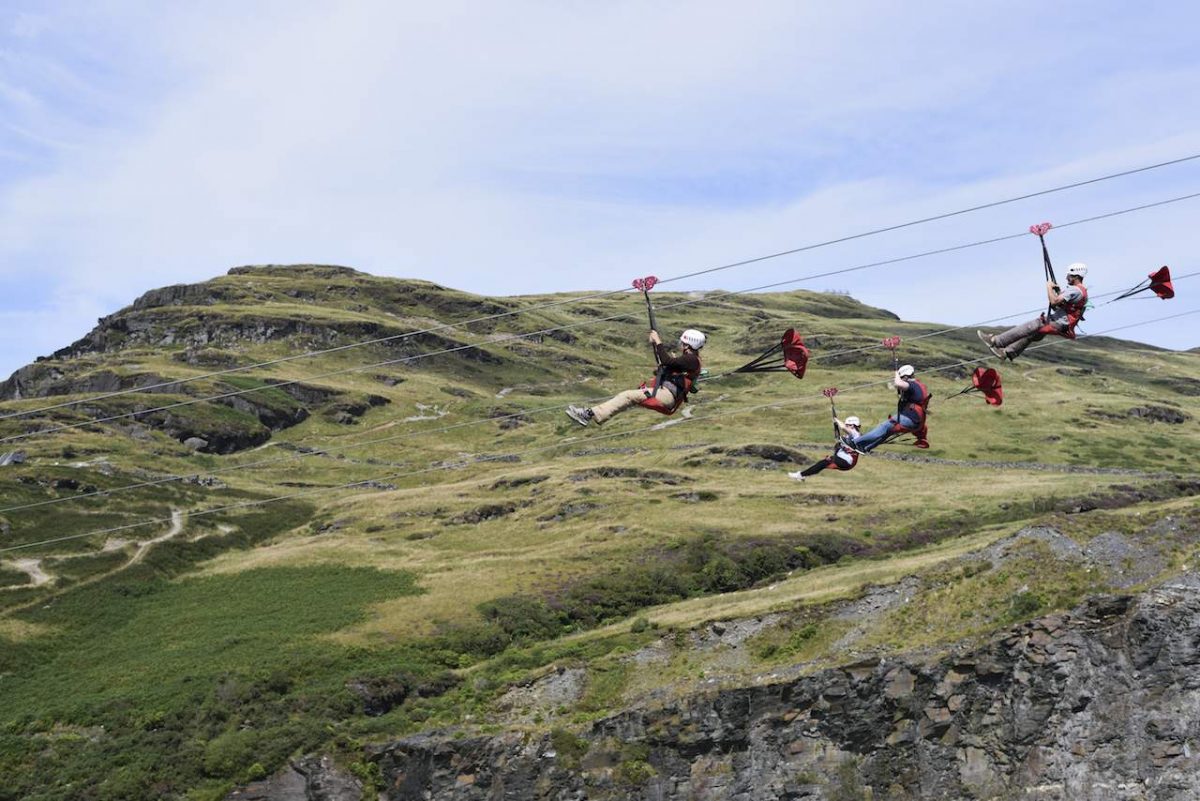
(180, 657)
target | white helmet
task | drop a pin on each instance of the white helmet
(1078, 268)
(853, 420)
(693, 338)
(906, 370)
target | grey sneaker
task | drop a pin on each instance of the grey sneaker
(797, 476)
(990, 341)
(579, 414)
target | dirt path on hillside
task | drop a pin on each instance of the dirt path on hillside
(33, 569)
(143, 547)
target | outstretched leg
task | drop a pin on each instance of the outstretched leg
(800, 475)
(1013, 342)
(629, 399)
(872, 438)
(876, 436)
(1018, 347)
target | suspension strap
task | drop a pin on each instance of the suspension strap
(1040, 230)
(829, 392)
(644, 285)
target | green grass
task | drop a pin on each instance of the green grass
(191, 662)
(301, 596)
(11, 577)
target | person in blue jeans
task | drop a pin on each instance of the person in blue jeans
(910, 411)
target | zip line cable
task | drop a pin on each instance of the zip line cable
(933, 218)
(541, 448)
(482, 421)
(586, 323)
(707, 271)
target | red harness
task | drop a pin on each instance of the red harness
(836, 465)
(918, 409)
(654, 404)
(1074, 315)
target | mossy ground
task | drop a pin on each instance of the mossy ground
(287, 605)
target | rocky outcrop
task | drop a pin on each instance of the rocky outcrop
(1101, 703)
(219, 329)
(307, 779)
(42, 379)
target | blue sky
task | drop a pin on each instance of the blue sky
(533, 147)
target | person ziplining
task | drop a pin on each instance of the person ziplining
(912, 407)
(674, 379)
(845, 438)
(845, 453)
(910, 413)
(1064, 312)
(1067, 305)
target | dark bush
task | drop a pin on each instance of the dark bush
(522, 618)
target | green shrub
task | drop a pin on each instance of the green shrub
(635, 772)
(721, 574)
(522, 618)
(231, 753)
(570, 749)
(1025, 603)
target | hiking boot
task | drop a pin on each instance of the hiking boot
(579, 414)
(797, 476)
(986, 338)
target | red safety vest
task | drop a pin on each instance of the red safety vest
(1074, 315)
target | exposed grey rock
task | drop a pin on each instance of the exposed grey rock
(563, 686)
(1100, 703)
(479, 514)
(41, 379)
(310, 778)
(1155, 414)
(195, 443)
(772, 453)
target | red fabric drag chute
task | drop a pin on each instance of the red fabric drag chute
(1160, 283)
(986, 381)
(789, 355)
(795, 354)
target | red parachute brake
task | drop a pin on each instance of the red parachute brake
(986, 381)
(1160, 283)
(791, 354)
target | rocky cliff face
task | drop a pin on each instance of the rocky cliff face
(1100, 703)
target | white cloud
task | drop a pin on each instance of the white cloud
(530, 147)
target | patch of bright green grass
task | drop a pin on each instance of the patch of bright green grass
(192, 680)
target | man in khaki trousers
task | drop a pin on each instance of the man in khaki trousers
(675, 378)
